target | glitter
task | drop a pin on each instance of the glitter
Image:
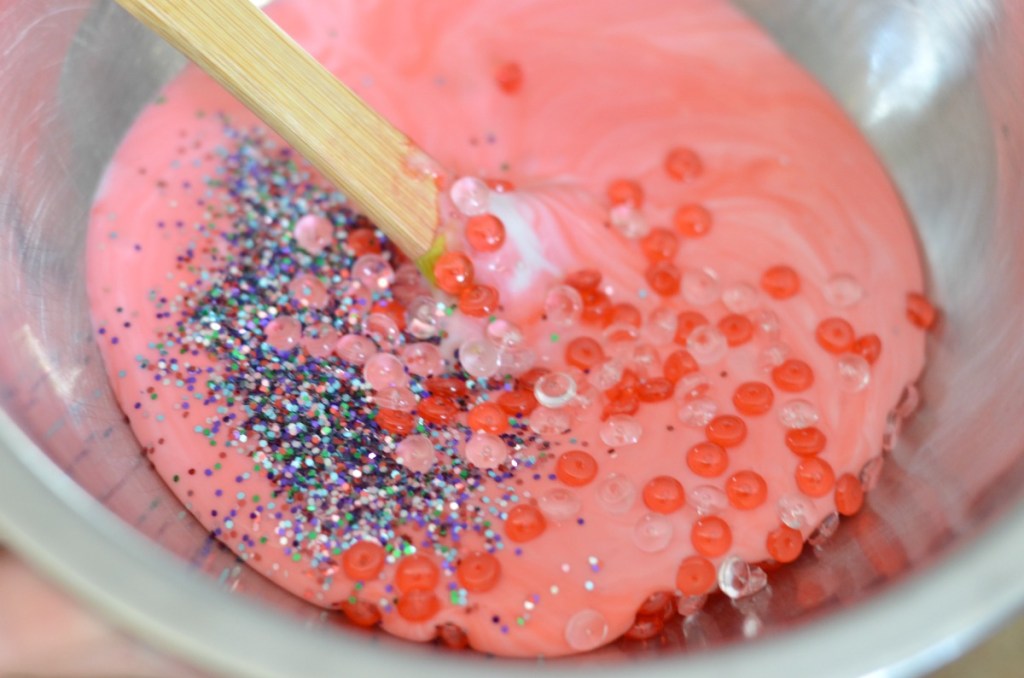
(588, 585)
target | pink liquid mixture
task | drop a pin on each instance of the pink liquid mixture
(706, 309)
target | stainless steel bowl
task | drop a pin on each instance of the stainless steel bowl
(931, 566)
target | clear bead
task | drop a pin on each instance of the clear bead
(621, 430)
(689, 605)
(409, 275)
(891, 431)
(798, 413)
(479, 358)
(871, 473)
(382, 329)
(563, 305)
(308, 291)
(486, 451)
(766, 324)
(422, 359)
(396, 398)
(843, 291)
(627, 220)
(909, 401)
(700, 286)
(772, 356)
(707, 345)
(586, 395)
(700, 631)
(606, 375)
(314, 233)
(555, 389)
(423, 317)
(621, 333)
(559, 504)
(708, 500)
(471, 196)
(854, 372)
(826, 528)
(652, 533)
(355, 349)
(644, 359)
(586, 630)
(373, 272)
(662, 325)
(516, 361)
(692, 386)
(697, 413)
(319, 340)
(384, 370)
(752, 626)
(794, 511)
(283, 333)
(416, 453)
(547, 422)
(738, 578)
(740, 298)
(616, 494)
(504, 334)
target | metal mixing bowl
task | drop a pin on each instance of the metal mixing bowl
(929, 567)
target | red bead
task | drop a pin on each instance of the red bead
(438, 410)
(660, 244)
(707, 460)
(664, 494)
(696, 576)
(416, 572)
(849, 494)
(784, 544)
(395, 422)
(835, 335)
(509, 77)
(453, 272)
(576, 468)
(806, 442)
(452, 636)
(726, 430)
(753, 398)
(524, 523)
(485, 233)
(793, 376)
(584, 280)
(418, 605)
(623, 191)
(815, 477)
(678, 364)
(488, 417)
(711, 536)
(363, 241)
(737, 329)
(625, 314)
(780, 282)
(692, 221)
(478, 300)
(363, 560)
(530, 377)
(645, 627)
(655, 390)
(682, 164)
(868, 347)
(597, 308)
(664, 277)
(584, 353)
(478, 571)
(517, 403)
(625, 402)
(746, 490)
(920, 311)
(687, 322)
(446, 386)
(360, 613)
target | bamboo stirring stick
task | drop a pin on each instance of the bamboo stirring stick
(350, 143)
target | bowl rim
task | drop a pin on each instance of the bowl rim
(906, 630)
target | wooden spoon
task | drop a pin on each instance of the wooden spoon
(350, 143)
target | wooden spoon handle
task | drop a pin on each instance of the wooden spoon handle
(350, 143)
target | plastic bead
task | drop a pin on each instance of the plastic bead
(686, 323)
(707, 459)
(548, 422)
(478, 571)
(806, 441)
(418, 605)
(576, 468)
(746, 490)
(664, 494)
(661, 325)
(696, 576)
(395, 398)
(517, 403)
(485, 233)
(308, 291)
(471, 196)
(423, 317)
(478, 300)
(780, 282)
(739, 579)
(373, 272)
(363, 560)
(616, 494)
(707, 345)
(849, 494)
(678, 364)
(416, 453)
(711, 536)
(319, 340)
(726, 430)
(486, 451)
(920, 311)
(698, 412)
(784, 544)
(438, 410)
(625, 314)
(452, 636)
(383, 370)
(509, 77)
(283, 333)
(395, 422)
(479, 358)
(835, 335)
(627, 220)
(815, 477)
(825, 529)
(555, 390)
(737, 329)
(355, 349)
(798, 414)
(416, 571)
(740, 298)
(421, 358)
(360, 613)
(682, 164)
(708, 500)
(314, 233)
(383, 329)
(524, 523)
(868, 347)
(488, 418)
(660, 244)
(701, 287)
(842, 291)
(362, 241)
(753, 398)
(559, 504)
(504, 334)
(854, 372)
(584, 353)
(563, 305)
(652, 533)
(621, 430)
(453, 272)
(871, 473)
(692, 221)
(625, 192)
(586, 630)
(793, 376)
(663, 277)
(584, 280)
